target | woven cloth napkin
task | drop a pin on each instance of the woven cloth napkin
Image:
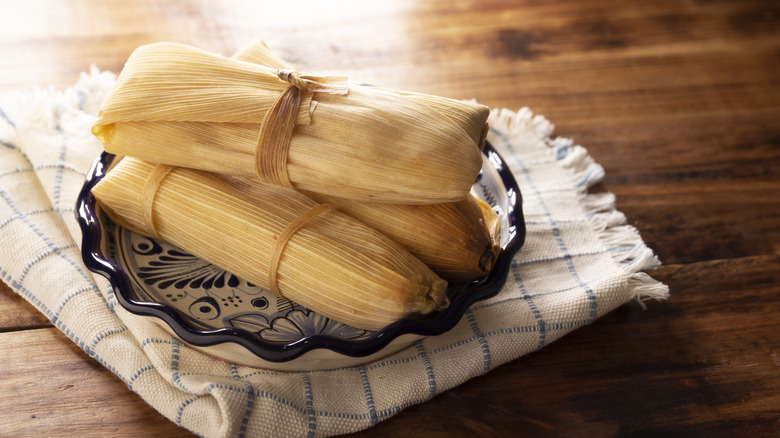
(580, 261)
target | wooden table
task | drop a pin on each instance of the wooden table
(678, 100)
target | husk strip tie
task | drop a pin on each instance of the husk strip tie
(281, 242)
(276, 131)
(152, 184)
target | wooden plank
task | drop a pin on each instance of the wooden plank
(708, 224)
(16, 313)
(49, 385)
(561, 39)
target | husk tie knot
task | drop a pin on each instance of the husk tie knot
(293, 77)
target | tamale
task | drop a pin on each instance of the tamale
(459, 240)
(181, 106)
(329, 262)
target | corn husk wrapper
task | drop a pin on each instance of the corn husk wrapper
(334, 264)
(181, 106)
(457, 240)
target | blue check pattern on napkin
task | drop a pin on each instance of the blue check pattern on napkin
(580, 261)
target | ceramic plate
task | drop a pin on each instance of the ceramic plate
(226, 316)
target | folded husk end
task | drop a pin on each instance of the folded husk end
(436, 299)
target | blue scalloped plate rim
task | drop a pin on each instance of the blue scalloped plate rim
(462, 296)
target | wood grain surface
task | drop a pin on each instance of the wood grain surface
(678, 100)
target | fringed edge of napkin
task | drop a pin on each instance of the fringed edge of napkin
(627, 248)
(611, 225)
